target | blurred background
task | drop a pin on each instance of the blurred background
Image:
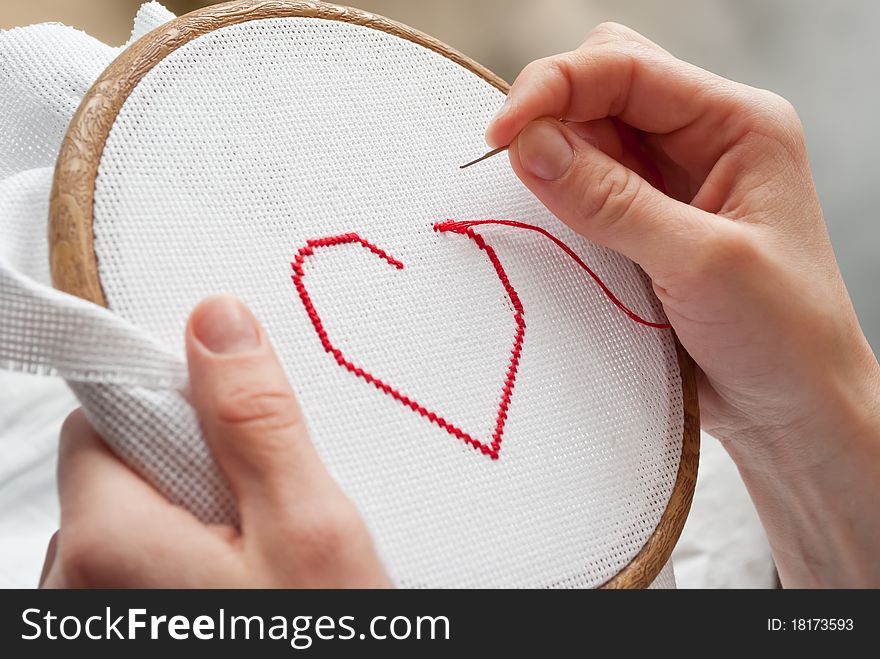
(824, 57)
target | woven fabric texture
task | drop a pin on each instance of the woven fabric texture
(241, 146)
(234, 152)
(44, 72)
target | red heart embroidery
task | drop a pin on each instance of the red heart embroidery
(492, 448)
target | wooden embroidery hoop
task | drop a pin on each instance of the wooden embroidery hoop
(74, 262)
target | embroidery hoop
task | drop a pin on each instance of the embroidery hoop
(74, 262)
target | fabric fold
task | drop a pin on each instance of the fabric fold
(45, 72)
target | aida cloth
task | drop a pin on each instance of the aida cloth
(245, 144)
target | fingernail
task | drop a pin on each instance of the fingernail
(224, 326)
(543, 150)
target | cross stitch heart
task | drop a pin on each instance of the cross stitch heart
(490, 448)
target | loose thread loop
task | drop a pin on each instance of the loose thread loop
(466, 227)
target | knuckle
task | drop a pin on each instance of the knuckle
(608, 31)
(540, 71)
(726, 253)
(777, 119)
(782, 108)
(612, 196)
(264, 409)
(549, 75)
(619, 37)
(538, 66)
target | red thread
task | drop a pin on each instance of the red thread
(466, 227)
(491, 449)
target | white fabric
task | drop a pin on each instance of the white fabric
(665, 580)
(214, 184)
(30, 417)
(41, 86)
(44, 72)
(723, 544)
(572, 478)
(116, 369)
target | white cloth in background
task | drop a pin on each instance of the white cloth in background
(31, 414)
(29, 189)
(723, 544)
(33, 408)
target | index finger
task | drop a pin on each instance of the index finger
(644, 86)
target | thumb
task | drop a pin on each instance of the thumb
(603, 200)
(249, 414)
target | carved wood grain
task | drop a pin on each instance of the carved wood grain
(74, 263)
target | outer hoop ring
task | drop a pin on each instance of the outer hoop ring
(74, 263)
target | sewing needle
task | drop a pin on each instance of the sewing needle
(493, 152)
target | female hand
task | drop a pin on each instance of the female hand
(297, 528)
(741, 260)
